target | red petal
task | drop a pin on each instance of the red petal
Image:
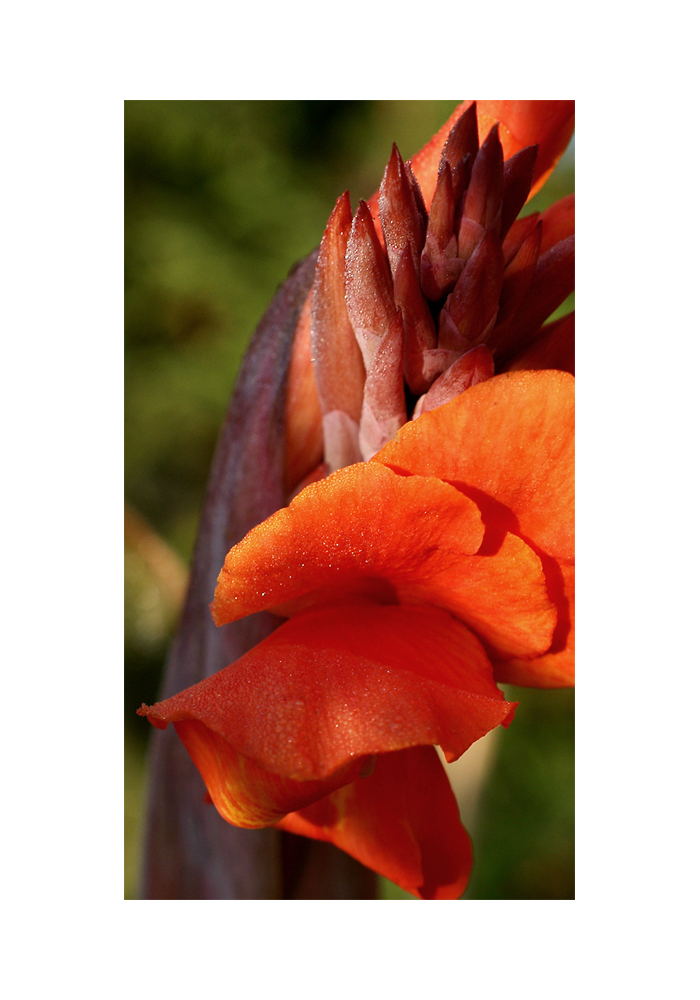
(402, 821)
(558, 222)
(517, 279)
(551, 284)
(554, 347)
(299, 714)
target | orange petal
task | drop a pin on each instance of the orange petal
(504, 597)
(402, 821)
(509, 440)
(363, 521)
(411, 539)
(556, 668)
(300, 713)
(524, 123)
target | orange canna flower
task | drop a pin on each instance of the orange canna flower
(430, 555)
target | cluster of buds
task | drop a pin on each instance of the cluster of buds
(414, 307)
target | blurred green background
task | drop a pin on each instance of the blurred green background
(221, 199)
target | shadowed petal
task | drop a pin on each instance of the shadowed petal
(512, 442)
(554, 347)
(463, 140)
(558, 222)
(517, 278)
(547, 124)
(551, 284)
(557, 667)
(402, 821)
(439, 264)
(426, 161)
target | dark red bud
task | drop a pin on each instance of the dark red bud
(368, 285)
(552, 283)
(384, 404)
(484, 196)
(518, 174)
(338, 367)
(473, 367)
(463, 140)
(419, 327)
(516, 281)
(518, 233)
(440, 240)
(400, 216)
(473, 304)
